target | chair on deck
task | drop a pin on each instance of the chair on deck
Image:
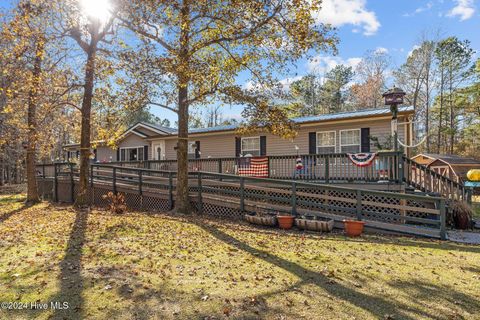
(307, 170)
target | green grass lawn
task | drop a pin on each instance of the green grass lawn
(141, 266)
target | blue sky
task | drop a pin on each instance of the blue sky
(391, 25)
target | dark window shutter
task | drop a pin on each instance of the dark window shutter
(312, 142)
(145, 152)
(238, 149)
(95, 153)
(263, 145)
(197, 149)
(365, 140)
(118, 154)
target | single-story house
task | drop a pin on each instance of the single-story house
(452, 166)
(343, 132)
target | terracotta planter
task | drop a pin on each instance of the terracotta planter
(263, 221)
(314, 225)
(353, 228)
(285, 222)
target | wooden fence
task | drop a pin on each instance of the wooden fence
(233, 195)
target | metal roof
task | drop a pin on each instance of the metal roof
(157, 127)
(318, 118)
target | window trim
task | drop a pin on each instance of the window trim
(126, 148)
(359, 130)
(334, 138)
(241, 145)
(191, 154)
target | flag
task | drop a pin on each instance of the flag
(253, 167)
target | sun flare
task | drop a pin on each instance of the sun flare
(99, 10)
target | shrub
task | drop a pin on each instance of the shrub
(116, 203)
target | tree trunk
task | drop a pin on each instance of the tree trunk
(82, 196)
(440, 112)
(182, 202)
(32, 188)
(427, 108)
(2, 169)
(452, 115)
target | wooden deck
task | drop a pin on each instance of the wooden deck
(233, 196)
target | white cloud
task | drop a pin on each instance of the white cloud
(288, 81)
(343, 12)
(381, 50)
(415, 47)
(428, 6)
(323, 64)
(464, 9)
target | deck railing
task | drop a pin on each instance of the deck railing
(428, 180)
(413, 214)
(335, 167)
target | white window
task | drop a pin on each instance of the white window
(192, 147)
(131, 154)
(326, 141)
(350, 141)
(250, 146)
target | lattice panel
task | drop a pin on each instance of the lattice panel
(45, 188)
(155, 204)
(413, 203)
(385, 210)
(133, 201)
(220, 211)
(98, 197)
(64, 191)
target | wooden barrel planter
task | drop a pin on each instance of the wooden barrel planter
(315, 225)
(261, 220)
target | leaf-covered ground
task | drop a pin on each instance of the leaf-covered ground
(141, 266)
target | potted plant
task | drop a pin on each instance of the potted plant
(353, 228)
(314, 223)
(285, 221)
(260, 218)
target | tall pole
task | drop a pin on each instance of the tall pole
(395, 126)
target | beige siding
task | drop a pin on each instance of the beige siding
(223, 145)
(106, 154)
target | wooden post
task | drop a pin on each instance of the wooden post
(400, 168)
(242, 194)
(55, 183)
(199, 190)
(91, 177)
(72, 182)
(140, 181)
(443, 220)
(43, 169)
(358, 209)
(327, 169)
(170, 190)
(294, 199)
(220, 165)
(114, 180)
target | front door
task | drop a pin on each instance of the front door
(159, 150)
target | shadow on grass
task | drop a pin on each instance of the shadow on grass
(71, 281)
(375, 305)
(9, 214)
(445, 297)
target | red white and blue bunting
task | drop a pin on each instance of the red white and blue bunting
(362, 159)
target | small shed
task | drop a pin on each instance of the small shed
(452, 166)
(425, 158)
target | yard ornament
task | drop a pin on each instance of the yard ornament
(362, 159)
(299, 164)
